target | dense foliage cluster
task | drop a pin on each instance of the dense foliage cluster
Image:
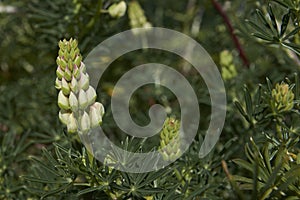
(256, 45)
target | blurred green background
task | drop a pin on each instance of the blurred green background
(29, 35)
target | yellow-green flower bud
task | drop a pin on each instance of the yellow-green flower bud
(68, 74)
(74, 44)
(61, 45)
(65, 87)
(73, 102)
(85, 123)
(117, 10)
(72, 54)
(62, 64)
(169, 140)
(63, 101)
(76, 72)
(70, 65)
(78, 61)
(137, 17)
(57, 83)
(228, 67)
(82, 99)
(59, 73)
(282, 98)
(72, 124)
(61, 53)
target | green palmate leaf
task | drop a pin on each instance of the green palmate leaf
(255, 176)
(39, 180)
(49, 157)
(285, 4)
(292, 33)
(263, 37)
(257, 97)
(150, 191)
(273, 19)
(242, 179)
(284, 24)
(267, 158)
(263, 20)
(91, 189)
(248, 101)
(45, 166)
(250, 155)
(56, 191)
(258, 28)
(244, 164)
(291, 176)
(289, 46)
(271, 182)
(242, 111)
(197, 192)
(269, 84)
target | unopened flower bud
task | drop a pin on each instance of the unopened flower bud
(82, 68)
(73, 102)
(91, 95)
(67, 74)
(64, 116)
(72, 54)
(74, 44)
(70, 65)
(76, 72)
(66, 56)
(85, 122)
(57, 83)
(61, 45)
(59, 73)
(82, 99)
(63, 101)
(282, 98)
(100, 108)
(72, 124)
(62, 64)
(65, 87)
(84, 81)
(74, 85)
(96, 113)
(77, 61)
(61, 53)
(117, 10)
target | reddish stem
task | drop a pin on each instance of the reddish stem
(235, 39)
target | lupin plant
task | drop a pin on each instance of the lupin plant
(170, 140)
(136, 16)
(273, 156)
(76, 97)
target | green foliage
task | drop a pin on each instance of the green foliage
(258, 155)
(277, 24)
(274, 160)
